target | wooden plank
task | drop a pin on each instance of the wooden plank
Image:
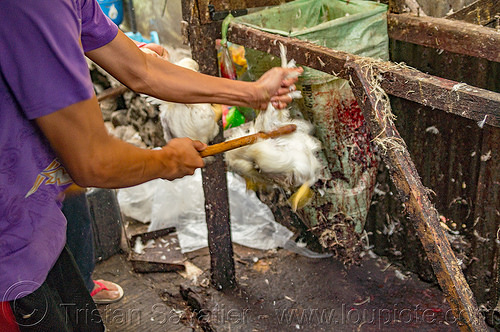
(163, 256)
(202, 42)
(480, 12)
(415, 198)
(401, 81)
(464, 38)
(218, 224)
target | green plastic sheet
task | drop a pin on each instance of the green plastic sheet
(354, 26)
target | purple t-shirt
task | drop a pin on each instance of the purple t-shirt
(42, 69)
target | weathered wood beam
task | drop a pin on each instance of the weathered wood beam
(480, 12)
(415, 199)
(202, 41)
(398, 80)
(462, 38)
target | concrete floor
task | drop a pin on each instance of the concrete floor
(277, 291)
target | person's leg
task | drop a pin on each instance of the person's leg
(80, 242)
(79, 234)
(62, 303)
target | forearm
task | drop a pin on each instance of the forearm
(117, 165)
(161, 79)
(166, 81)
(93, 158)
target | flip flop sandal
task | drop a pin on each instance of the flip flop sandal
(102, 287)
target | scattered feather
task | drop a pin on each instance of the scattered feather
(482, 122)
(149, 244)
(138, 246)
(399, 275)
(479, 237)
(458, 86)
(432, 130)
(367, 300)
(486, 157)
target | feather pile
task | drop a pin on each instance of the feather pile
(288, 161)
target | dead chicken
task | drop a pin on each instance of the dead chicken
(196, 121)
(288, 161)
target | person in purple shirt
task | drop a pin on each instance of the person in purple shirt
(52, 134)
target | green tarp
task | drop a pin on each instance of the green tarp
(353, 26)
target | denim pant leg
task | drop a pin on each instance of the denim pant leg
(79, 235)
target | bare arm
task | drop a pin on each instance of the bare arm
(164, 80)
(94, 158)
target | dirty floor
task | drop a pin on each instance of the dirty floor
(277, 291)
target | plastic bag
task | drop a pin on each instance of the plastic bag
(137, 202)
(226, 65)
(181, 203)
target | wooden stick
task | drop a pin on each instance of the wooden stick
(246, 140)
(111, 93)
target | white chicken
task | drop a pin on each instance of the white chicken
(289, 161)
(196, 121)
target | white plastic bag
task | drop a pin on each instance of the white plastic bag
(137, 202)
(181, 203)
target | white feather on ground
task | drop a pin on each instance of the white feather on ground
(289, 161)
(196, 121)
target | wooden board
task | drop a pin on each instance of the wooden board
(480, 12)
(163, 256)
(449, 165)
(484, 269)
(464, 38)
(227, 5)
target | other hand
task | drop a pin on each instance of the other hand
(274, 87)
